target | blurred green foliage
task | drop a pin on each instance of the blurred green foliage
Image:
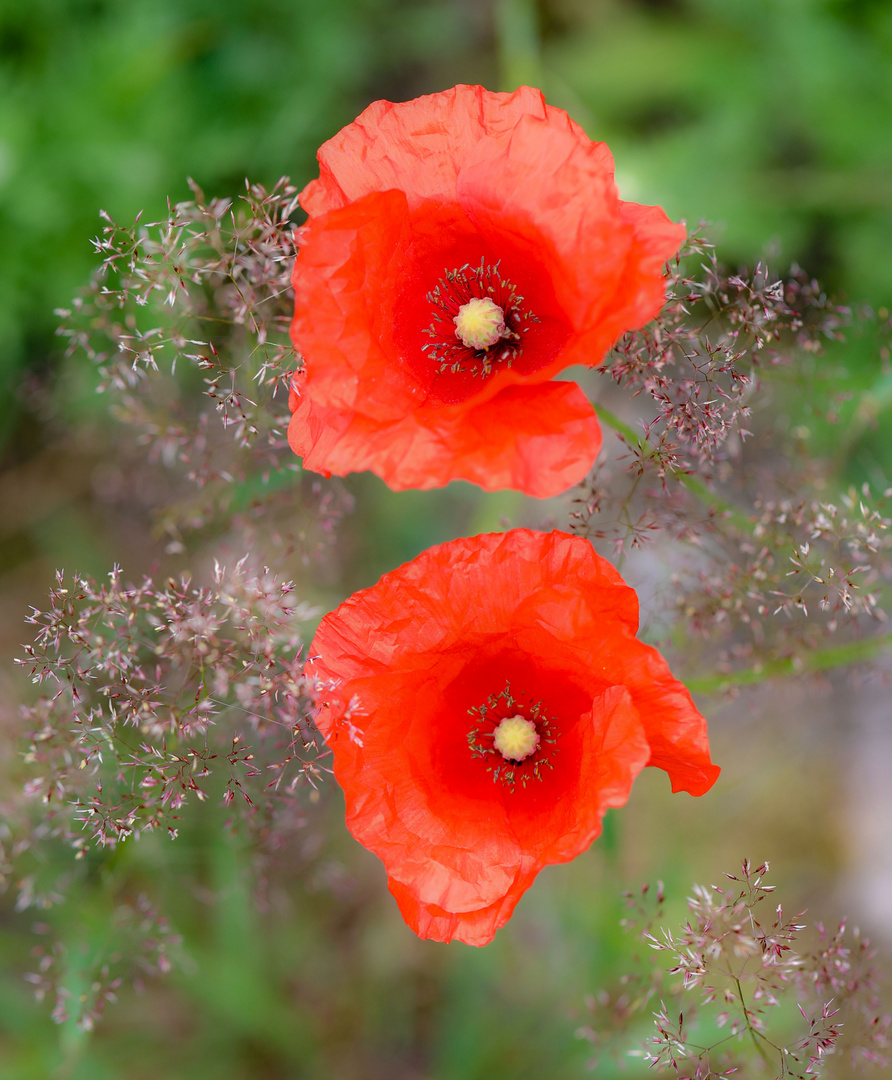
(113, 103)
(770, 118)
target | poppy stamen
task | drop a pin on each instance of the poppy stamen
(516, 736)
(478, 322)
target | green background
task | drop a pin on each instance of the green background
(770, 118)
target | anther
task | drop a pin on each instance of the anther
(474, 309)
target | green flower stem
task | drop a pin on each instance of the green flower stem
(754, 1034)
(852, 652)
(694, 484)
(612, 420)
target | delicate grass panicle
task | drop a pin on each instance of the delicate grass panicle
(152, 698)
(157, 695)
(700, 359)
(723, 344)
(767, 564)
(747, 993)
(137, 943)
(205, 291)
(770, 595)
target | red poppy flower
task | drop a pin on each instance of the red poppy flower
(485, 704)
(461, 250)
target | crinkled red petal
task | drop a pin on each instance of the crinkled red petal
(400, 664)
(347, 277)
(361, 282)
(418, 146)
(472, 927)
(412, 191)
(537, 439)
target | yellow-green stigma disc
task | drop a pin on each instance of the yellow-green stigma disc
(479, 323)
(516, 738)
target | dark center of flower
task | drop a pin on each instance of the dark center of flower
(478, 322)
(518, 741)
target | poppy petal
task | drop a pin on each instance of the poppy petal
(417, 146)
(422, 207)
(410, 675)
(537, 439)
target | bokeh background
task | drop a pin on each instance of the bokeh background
(772, 119)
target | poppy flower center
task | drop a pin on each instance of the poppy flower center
(515, 738)
(478, 322)
(517, 742)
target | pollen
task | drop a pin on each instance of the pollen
(479, 323)
(516, 738)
